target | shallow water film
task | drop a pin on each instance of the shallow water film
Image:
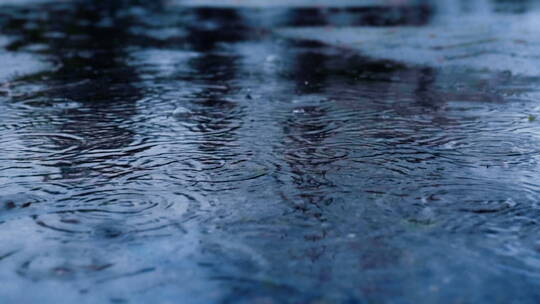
(265, 152)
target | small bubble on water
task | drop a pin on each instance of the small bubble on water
(181, 112)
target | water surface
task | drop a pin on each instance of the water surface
(158, 153)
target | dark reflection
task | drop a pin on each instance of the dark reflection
(513, 6)
(307, 133)
(424, 91)
(408, 14)
(217, 117)
(485, 6)
(307, 17)
(310, 72)
(89, 48)
(313, 159)
(212, 26)
(417, 15)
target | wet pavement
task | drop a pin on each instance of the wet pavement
(232, 152)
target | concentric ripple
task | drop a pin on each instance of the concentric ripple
(108, 214)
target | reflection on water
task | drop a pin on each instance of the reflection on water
(173, 152)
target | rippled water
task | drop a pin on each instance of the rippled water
(169, 154)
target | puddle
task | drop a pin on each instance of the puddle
(160, 152)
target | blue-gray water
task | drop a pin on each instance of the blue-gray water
(157, 153)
